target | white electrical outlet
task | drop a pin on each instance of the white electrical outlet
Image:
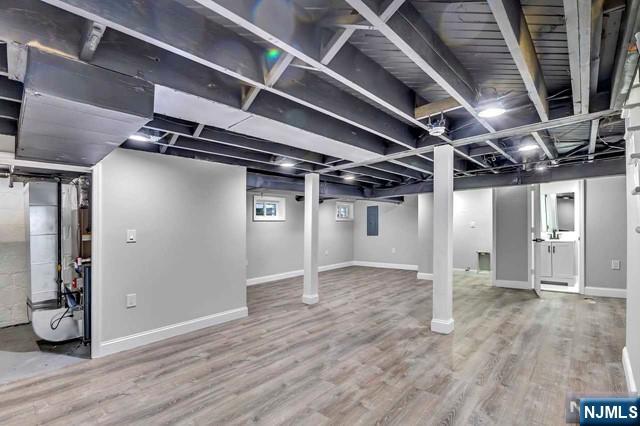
(326, 252)
(131, 235)
(393, 250)
(615, 265)
(131, 300)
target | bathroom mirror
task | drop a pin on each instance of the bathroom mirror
(560, 212)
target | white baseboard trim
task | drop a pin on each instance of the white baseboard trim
(335, 266)
(425, 276)
(292, 274)
(144, 338)
(385, 265)
(620, 293)
(518, 285)
(628, 373)
(442, 326)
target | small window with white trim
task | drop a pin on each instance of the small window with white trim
(267, 208)
(344, 212)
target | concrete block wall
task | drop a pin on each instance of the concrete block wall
(13, 255)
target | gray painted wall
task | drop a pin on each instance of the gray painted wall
(398, 228)
(472, 226)
(605, 232)
(512, 241)
(277, 247)
(633, 254)
(189, 259)
(13, 255)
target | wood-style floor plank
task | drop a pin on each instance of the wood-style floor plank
(363, 355)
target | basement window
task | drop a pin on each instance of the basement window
(268, 208)
(344, 212)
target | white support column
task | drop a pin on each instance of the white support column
(442, 321)
(311, 205)
(425, 236)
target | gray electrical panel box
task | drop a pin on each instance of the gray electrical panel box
(372, 221)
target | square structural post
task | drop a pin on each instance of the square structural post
(442, 321)
(425, 236)
(311, 219)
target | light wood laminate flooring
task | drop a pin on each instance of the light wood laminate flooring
(363, 355)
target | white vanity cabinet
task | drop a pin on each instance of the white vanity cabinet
(556, 260)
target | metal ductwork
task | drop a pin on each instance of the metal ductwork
(76, 113)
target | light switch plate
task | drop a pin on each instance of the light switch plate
(131, 300)
(131, 235)
(615, 265)
(393, 250)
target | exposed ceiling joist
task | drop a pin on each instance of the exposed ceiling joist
(436, 107)
(388, 92)
(578, 23)
(9, 110)
(213, 135)
(413, 36)
(282, 183)
(397, 169)
(172, 141)
(10, 90)
(271, 78)
(515, 31)
(515, 131)
(547, 146)
(551, 174)
(593, 137)
(132, 19)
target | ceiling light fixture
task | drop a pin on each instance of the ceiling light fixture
(288, 164)
(139, 137)
(349, 177)
(437, 128)
(490, 105)
(491, 111)
(541, 168)
(528, 147)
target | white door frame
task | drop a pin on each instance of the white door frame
(534, 223)
(582, 208)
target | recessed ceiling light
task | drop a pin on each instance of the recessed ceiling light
(541, 168)
(140, 138)
(492, 111)
(528, 147)
(349, 177)
(288, 164)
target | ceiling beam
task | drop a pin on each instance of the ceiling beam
(515, 31)
(282, 183)
(435, 108)
(547, 145)
(578, 23)
(214, 135)
(626, 61)
(9, 110)
(368, 79)
(10, 90)
(593, 137)
(515, 131)
(414, 37)
(376, 173)
(271, 78)
(398, 169)
(134, 20)
(551, 174)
